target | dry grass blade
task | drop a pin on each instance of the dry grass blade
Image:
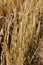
(21, 32)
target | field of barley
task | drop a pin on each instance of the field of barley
(21, 32)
